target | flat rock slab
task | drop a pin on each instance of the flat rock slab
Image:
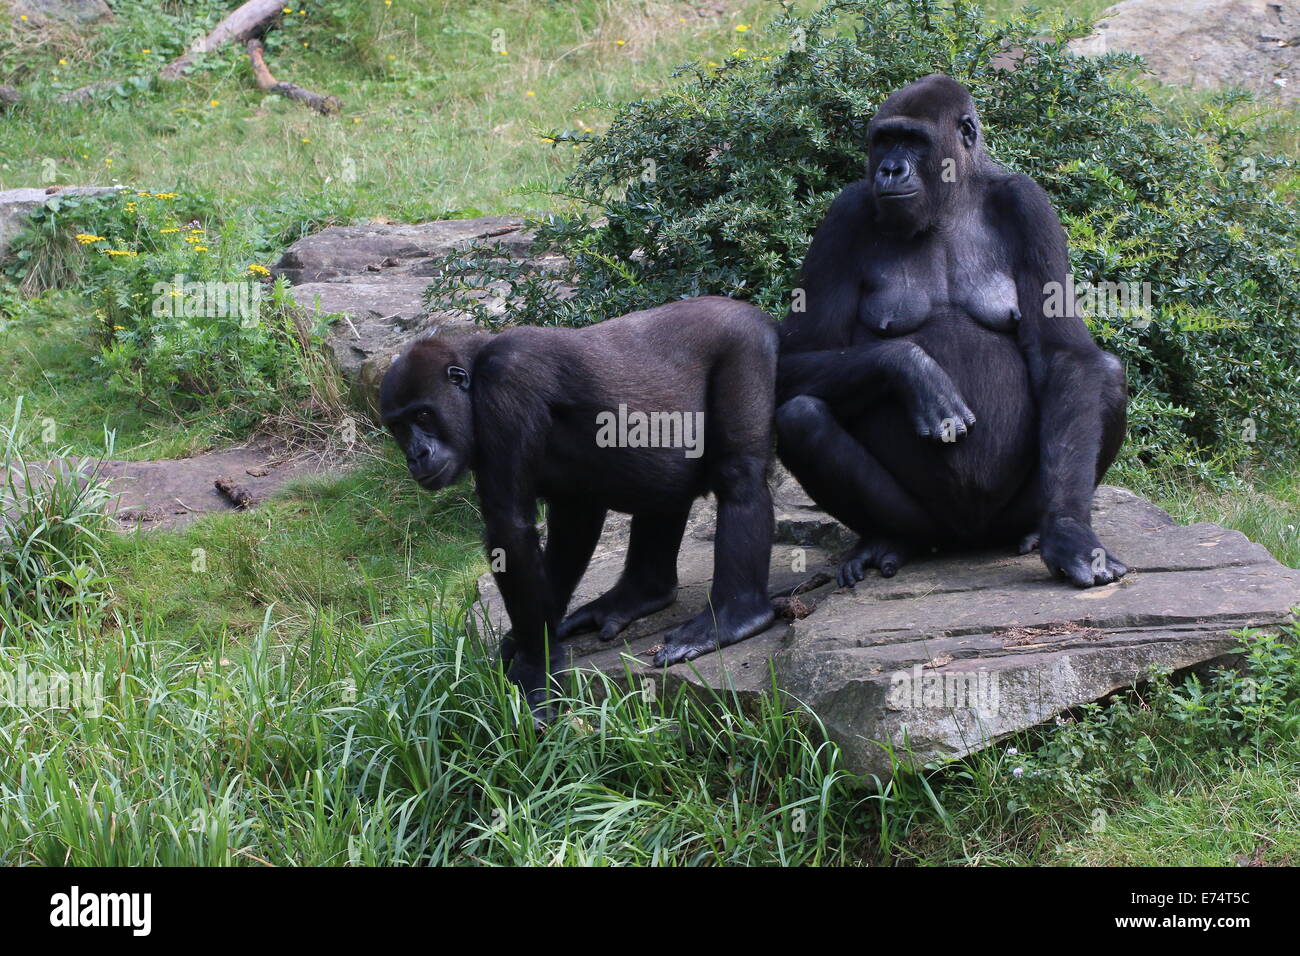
(374, 278)
(173, 492)
(958, 650)
(1251, 44)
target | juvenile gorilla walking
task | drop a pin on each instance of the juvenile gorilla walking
(537, 413)
(928, 392)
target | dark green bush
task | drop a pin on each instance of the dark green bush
(748, 154)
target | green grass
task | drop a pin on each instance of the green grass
(434, 120)
(46, 357)
(356, 548)
(298, 686)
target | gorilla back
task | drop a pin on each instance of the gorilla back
(925, 393)
(640, 414)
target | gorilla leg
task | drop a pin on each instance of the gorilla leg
(1114, 415)
(1027, 506)
(845, 479)
(739, 606)
(573, 528)
(738, 447)
(648, 582)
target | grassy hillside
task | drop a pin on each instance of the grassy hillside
(296, 685)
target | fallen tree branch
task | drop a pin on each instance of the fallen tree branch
(246, 21)
(326, 105)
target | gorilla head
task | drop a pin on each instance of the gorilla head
(424, 401)
(923, 141)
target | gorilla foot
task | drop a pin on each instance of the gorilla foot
(871, 553)
(535, 678)
(1072, 550)
(610, 613)
(707, 632)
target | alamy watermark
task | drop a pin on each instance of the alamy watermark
(40, 690)
(209, 300)
(1110, 300)
(635, 429)
(921, 689)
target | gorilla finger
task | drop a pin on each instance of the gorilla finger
(672, 653)
(1117, 568)
(1080, 574)
(1029, 543)
(611, 628)
(580, 620)
(888, 566)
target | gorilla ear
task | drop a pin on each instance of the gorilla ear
(458, 377)
(969, 131)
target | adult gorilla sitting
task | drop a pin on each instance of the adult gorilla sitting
(926, 395)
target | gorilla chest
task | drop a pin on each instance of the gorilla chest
(903, 286)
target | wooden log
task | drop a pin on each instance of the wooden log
(247, 20)
(237, 495)
(326, 105)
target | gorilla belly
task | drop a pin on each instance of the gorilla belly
(969, 485)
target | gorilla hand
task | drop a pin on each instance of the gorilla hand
(533, 674)
(610, 613)
(934, 405)
(1071, 549)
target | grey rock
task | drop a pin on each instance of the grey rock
(1251, 44)
(373, 278)
(17, 204)
(958, 650)
(350, 250)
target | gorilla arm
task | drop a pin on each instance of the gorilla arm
(510, 429)
(1071, 382)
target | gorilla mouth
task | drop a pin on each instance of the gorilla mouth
(888, 195)
(429, 481)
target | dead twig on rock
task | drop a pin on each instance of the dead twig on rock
(237, 495)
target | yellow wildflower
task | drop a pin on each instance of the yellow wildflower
(86, 238)
(259, 270)
(172, 229)
(742, 27)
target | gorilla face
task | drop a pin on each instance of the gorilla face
(424, 401)
(902, 152)
(922, 142)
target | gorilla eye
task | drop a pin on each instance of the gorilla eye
(424, 418)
